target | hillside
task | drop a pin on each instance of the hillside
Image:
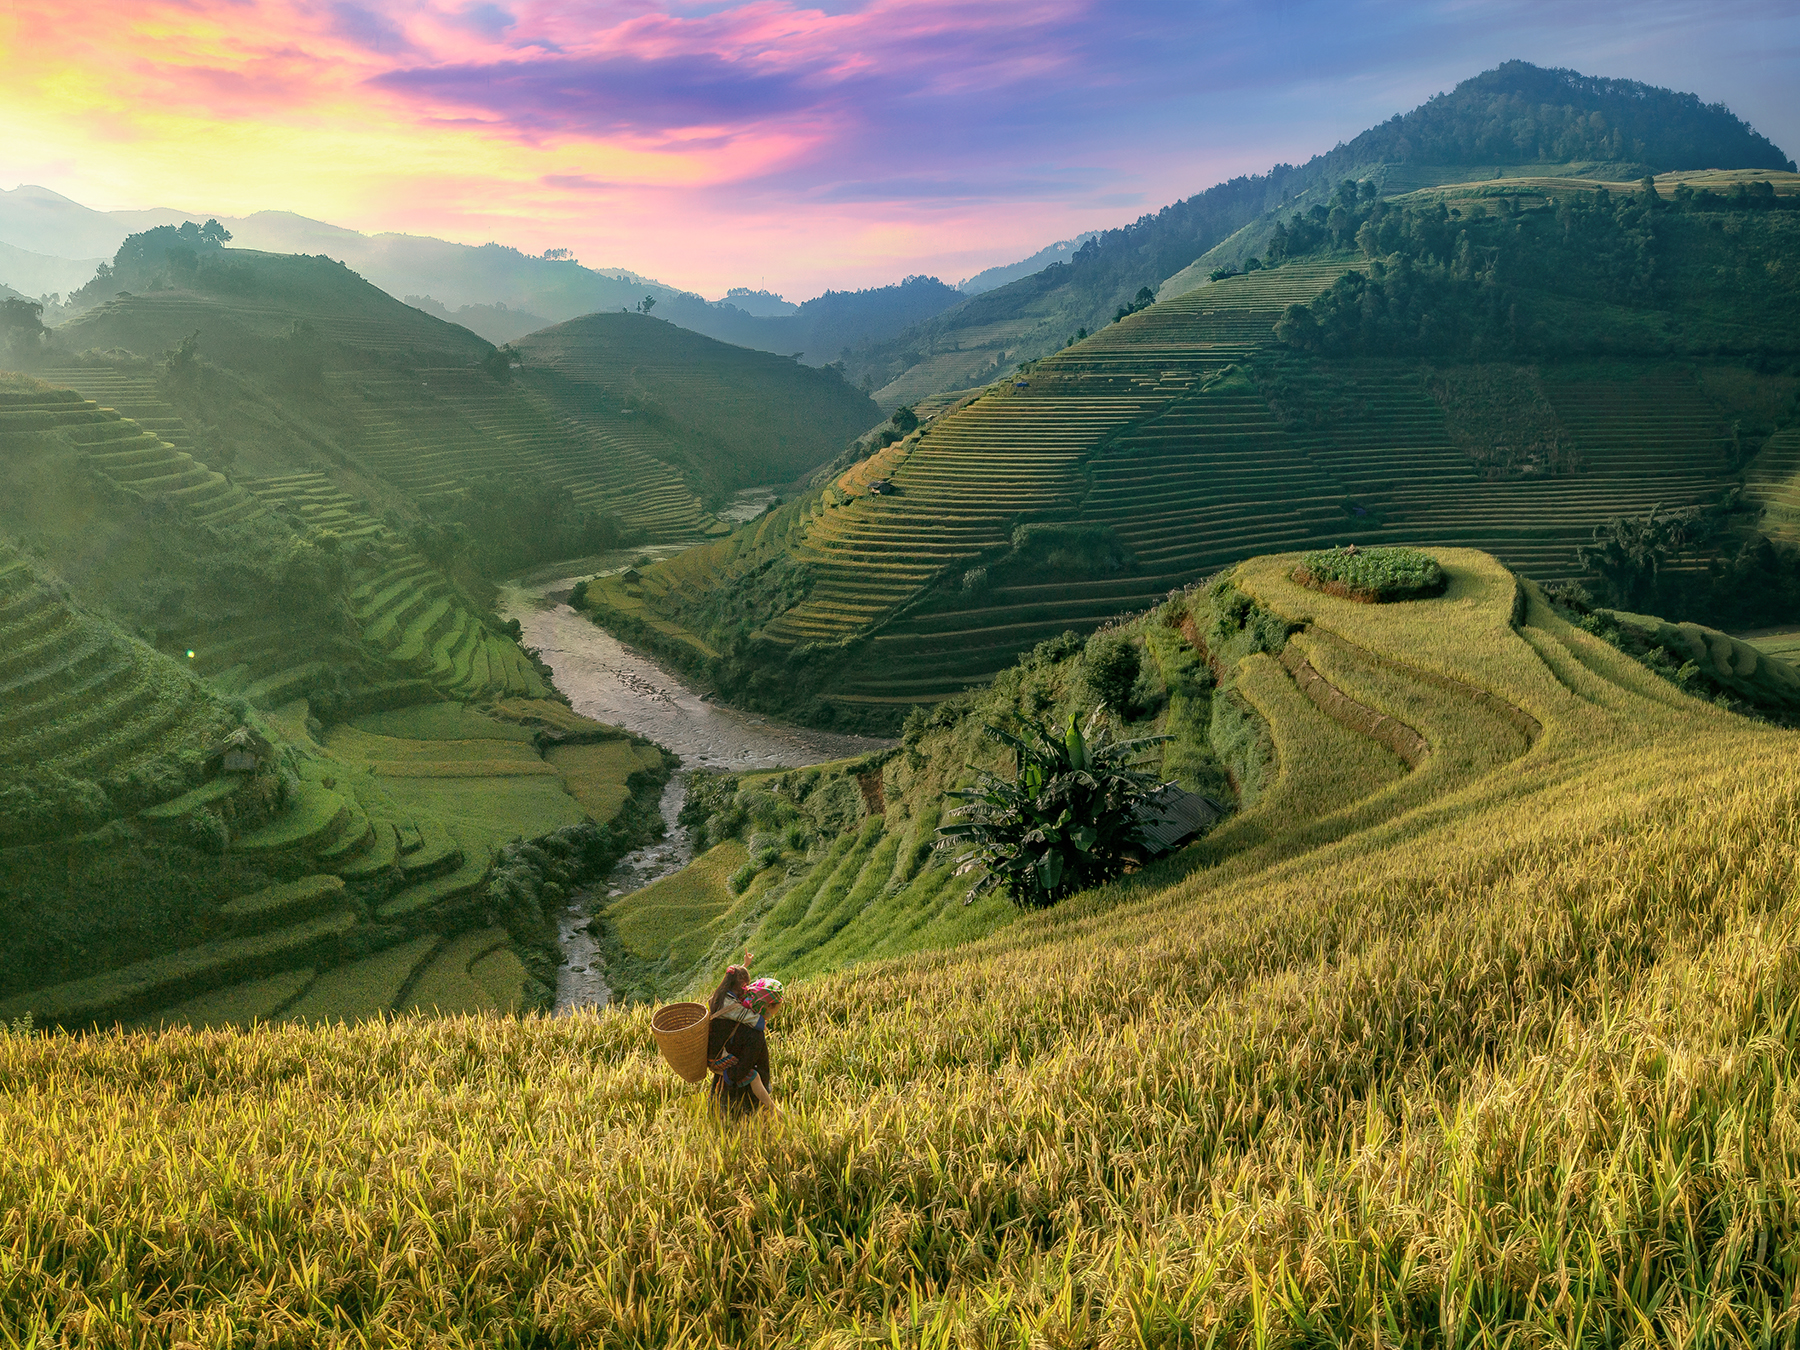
(729, 417)
(1514, 119)
(1490, 1045)
(297, 364)
(151, 607)
(1190, 435)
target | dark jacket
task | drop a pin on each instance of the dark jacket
(736, 1052)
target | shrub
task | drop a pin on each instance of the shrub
(1110, 667)
(1373, 575)
(1066, 820)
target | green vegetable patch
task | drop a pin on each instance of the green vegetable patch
(1373, 576)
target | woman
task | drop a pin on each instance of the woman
(737, 1050)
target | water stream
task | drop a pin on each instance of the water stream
(608, 681)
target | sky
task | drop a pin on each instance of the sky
(769, 143)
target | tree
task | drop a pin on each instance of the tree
(1110, 665)
(647, 304)
(905, 420)
(1066, 820)
(184, 361)
(1628, 552)
(21, 324)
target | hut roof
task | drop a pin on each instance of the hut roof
(1172, 815)
(242, 739)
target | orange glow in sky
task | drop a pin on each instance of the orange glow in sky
(719, 144)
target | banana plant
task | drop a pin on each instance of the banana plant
(1066, 819)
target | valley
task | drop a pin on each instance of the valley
(1260, 746)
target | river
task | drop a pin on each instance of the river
(610, 682)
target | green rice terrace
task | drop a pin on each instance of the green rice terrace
(1469, 1018)
(172, 858)
(184, 838)
(296, 362)
(1208, 428)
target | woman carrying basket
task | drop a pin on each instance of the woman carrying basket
(737, 1049)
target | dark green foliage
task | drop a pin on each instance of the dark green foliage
(1628, 553)
(1142, 300)
(1379, 574)
(905, 420)
(1067, 550)
(788, 810)
(1110, 668)
(1447, 285)
(1232, 625)
(46, 805)
(1065, 821)
(21, 328)
(500, 524)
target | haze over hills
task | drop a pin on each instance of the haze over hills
(496, 291)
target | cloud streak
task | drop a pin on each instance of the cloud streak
(828, 144)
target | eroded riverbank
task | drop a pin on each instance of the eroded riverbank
(608, 681)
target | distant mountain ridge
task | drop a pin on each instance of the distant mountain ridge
(492, 289)
(1516, 114)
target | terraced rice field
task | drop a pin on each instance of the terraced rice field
(1773, 479)
(133, 393)
(1142, 428)
(432, 430)
(1496, 1047)
(79, 697)
(388, 845)
(127, 454)
(409, 612)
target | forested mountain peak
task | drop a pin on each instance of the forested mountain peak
(1516, 114)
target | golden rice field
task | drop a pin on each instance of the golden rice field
(1500, 1049)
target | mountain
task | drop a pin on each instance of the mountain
(729, 417)
(37, 274)
(1513, 119)
(995, 277)
(491, 289)
(1510, 364)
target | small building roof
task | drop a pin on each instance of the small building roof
(1172, 815)
(243, 739)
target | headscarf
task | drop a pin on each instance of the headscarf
(763, 996)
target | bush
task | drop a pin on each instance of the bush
(1373, 575)
(1110, 667)
(1066, 820)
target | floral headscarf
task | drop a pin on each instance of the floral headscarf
(763, 996)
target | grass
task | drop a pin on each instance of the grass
(1504, 1056)
(166, 979)
(238, 1005)
(678, 918)
(351, 992)
(440, 722)
(307, 823)
(284, 903)
(596, 775)
(448, 985)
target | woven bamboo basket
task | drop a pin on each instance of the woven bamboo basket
(681, 1030)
